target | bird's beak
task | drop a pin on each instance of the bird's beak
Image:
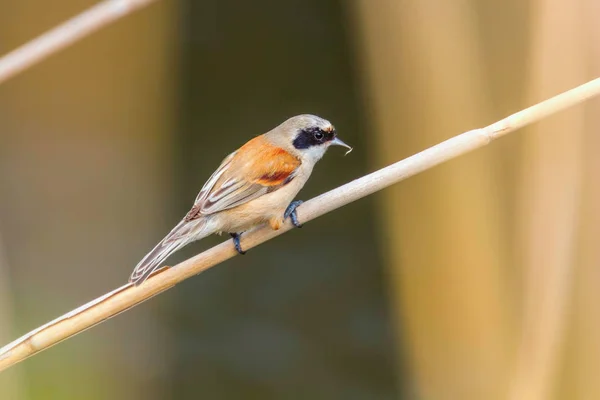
(337, 142)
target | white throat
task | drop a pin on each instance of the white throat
(314, 153)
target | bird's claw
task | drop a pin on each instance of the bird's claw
(236, 242)
(290, 212)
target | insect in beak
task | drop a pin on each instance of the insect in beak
(337, 142)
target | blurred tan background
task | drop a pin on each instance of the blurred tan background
(475, 280)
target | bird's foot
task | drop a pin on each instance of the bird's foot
(291, 213)
(236, 242)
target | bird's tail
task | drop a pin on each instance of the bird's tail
(184, 233)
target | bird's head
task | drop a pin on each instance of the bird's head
(307, 137)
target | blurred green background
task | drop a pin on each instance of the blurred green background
(475, 280)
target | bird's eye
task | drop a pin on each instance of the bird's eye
(319, 135)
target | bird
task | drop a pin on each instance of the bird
(254, 185)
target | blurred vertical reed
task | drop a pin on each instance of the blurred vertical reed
(549, 199)
(445, 254)
(581, 346)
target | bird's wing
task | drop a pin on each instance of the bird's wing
(257, 168)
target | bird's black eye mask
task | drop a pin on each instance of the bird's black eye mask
(313, 137)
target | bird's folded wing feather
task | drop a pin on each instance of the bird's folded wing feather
(257, 168)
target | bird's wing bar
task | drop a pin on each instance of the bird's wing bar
(257, 168)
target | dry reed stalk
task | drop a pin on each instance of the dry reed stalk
(127, 296)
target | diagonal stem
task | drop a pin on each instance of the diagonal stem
(128, 296)
(66, 34)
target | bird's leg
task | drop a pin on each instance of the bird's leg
(236, 242)
(291, 213)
